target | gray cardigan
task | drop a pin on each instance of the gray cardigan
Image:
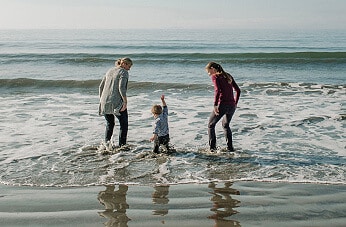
(112, 90)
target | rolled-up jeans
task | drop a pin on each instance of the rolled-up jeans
(123, 121)
(164, 140)
(226, 112)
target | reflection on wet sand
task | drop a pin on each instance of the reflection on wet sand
(115, 205)
(160, 200)
(223, 204)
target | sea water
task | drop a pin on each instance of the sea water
(289, 125)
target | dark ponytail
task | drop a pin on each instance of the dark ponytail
(220, 71)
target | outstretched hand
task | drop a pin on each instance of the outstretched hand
(163, 100)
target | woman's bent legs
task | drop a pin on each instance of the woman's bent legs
(123, 121)
(227, 113)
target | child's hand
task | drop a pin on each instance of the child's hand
(163, 100)
(153, 137)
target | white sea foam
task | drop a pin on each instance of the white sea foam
(296, 138)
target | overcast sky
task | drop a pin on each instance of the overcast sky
(184, 14)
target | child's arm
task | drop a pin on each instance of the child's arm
(163, 100)
(153, 137)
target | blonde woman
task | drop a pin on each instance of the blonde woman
(113, 99)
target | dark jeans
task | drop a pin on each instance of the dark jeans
(164, 140)
(225, 111)
(124, 125)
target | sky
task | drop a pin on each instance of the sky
(175, 14)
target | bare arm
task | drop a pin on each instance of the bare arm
(163, 100)
(237, 90)
(153, 137)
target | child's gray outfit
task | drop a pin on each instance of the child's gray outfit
(161, 130)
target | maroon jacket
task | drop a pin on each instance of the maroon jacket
(223, 91)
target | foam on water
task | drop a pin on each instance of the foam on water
(291, 133)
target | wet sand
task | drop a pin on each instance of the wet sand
(213, 204)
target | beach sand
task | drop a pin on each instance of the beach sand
(213, 204)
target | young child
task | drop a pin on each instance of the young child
(161, 131)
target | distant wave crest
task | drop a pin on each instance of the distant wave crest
(143, 58)
(136, 85)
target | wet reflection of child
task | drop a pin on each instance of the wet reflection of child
(160, 198)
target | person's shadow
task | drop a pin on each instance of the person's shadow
(160, 200)
(223, 205)
(115, 205)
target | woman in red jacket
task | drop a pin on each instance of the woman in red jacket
(225, 103)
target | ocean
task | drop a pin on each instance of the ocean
(289, 125)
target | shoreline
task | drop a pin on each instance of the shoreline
(245, 203)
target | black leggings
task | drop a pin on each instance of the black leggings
(124, 124)
(225, 111)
